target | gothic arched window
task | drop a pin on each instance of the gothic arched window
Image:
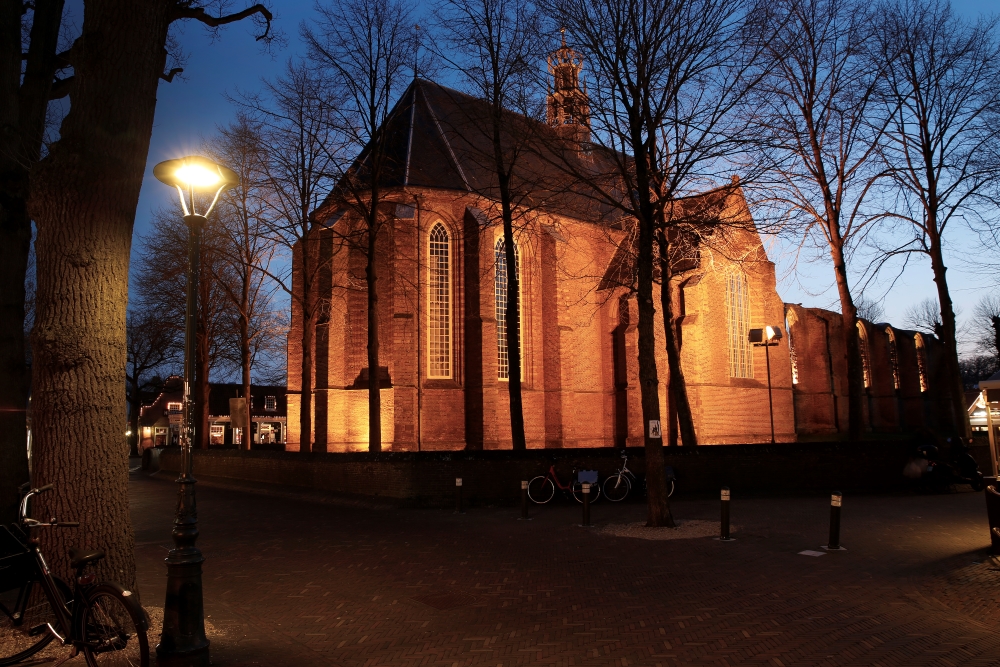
(503, 359)
(738, 325)
(866, 360)
(918, 341)
(893, 356)
(439, 303)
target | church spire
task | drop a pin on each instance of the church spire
(568, 107)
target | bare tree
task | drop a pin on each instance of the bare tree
(985, 326)
(366, 47)
(159, 274)
(924, 317)
(300, 144)
(816, 109)
(152, 345)
(941, 93)
(494, 46)
(247, 249)
(869, 309)
(663, 87)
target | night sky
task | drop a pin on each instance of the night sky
(191, 108)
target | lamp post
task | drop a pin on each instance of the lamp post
(183, 642)
(765, 338)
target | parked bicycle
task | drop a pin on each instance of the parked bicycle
(101, 620)
(618, 486)
(542, 489)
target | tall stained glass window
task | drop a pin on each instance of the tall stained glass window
(738, 321)
(866, 360)
(439, 304)
(893, 357)
(918, 341)
(503, 359)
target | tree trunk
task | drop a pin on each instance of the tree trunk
(83, 200)
(855, 369)
(513, 330)
(658, 505)
(308, 336)
(203, 359)
(954, 385)
(22, 115)
(374, 390)
(678, 396)
(245, 363)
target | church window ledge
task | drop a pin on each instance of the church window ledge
(441, 384)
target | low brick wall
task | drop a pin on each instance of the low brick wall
(428, 478)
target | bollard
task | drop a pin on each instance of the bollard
(835, 501)
(524, 500)
(586, 504)
(458, 496)
(724, 522)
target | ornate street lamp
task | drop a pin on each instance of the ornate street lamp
(183, 643)
(767, 337)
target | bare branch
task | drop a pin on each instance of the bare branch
(169, 76)
(200, 14)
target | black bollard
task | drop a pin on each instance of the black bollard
(724, 534)
(835, 501)
(524, 500)
(586, 504)
(458, 496)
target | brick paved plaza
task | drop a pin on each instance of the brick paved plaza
(290, 582)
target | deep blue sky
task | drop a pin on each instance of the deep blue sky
(191, 108)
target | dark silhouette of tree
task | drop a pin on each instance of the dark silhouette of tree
(297, 164)
(28, 81)
(986, 326)
(816, 110)
(152, 348)
(941, 92)
(366, 48)
(494, 46)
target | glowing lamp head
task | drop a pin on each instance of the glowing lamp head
(195, 174)
(773, 333)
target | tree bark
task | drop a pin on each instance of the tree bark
(677, 388)
(855, 369)
(22, 115)
(513, 329)
(953, 375)
(83, 200)
(308, 336)
(374, 390)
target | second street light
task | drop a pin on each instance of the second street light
(199, 182)
(767, 337)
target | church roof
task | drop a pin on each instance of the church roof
(436, 138)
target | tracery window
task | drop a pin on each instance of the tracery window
(439, 303)
(503, 359)
(791, 353)
(866, 361)
(918, 340)
(893, 357)
(738, 321)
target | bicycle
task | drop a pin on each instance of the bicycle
(542, 489)
(619, 485)
(102, 620)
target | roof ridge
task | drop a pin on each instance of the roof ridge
(447, 143)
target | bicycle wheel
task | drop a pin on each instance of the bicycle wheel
(24, 636)
(670, 488)
(113, 629)
(616, 488)
(541, 490)
(577, 489)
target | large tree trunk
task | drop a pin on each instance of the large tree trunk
(203, 359)
(22, 115)
(374, 391)
(855, 370)
(954, 386)
(677, 388)
(308, 336)
(245, 356)
(84, 197)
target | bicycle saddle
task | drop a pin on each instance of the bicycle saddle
(79, 557)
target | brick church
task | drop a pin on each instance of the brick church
(443, 288)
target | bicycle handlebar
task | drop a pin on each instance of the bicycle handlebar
(42, 489)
